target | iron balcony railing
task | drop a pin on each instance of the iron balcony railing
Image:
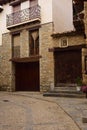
(24, 16)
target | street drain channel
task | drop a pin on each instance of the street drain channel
(5, 100)
(84, 120)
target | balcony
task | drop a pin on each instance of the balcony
(23, 16)
(78, 21)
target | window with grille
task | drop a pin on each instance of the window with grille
(34, 42)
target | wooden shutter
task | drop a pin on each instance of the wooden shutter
(33, 2)
(16, 45)
(16, 8)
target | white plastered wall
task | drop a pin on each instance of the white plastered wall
(62, 15)
(3, 29)
(57, 11)
(46, 10)
(8, 10)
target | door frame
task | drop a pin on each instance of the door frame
(69, 48)
(20, 60)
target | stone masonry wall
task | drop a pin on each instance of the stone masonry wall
(5, 64)
(72, 40)
(47, 60)
(7, 68)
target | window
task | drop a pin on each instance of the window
(16, 14)
(34, 42)
(16, 45)
(33, 2)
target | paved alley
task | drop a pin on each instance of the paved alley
(24, 112)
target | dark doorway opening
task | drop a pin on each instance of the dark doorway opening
(27, 76)
(68, 66)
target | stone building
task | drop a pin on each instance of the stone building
(42, 43)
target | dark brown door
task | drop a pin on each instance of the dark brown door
(67, 66)
(27, 76)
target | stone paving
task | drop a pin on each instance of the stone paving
(76, 108)
(31, 111)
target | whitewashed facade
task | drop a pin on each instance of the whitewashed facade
(56, 11)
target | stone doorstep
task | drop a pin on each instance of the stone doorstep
(66, 85)
(65, 92)
(50, 94)
(65, 88)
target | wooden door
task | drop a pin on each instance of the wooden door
(27, 76)
(67, 66)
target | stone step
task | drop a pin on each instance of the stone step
(65, 88)
(65, 92)
(58, 94)
(66, 85)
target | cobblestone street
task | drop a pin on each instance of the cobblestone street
(19, 112)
